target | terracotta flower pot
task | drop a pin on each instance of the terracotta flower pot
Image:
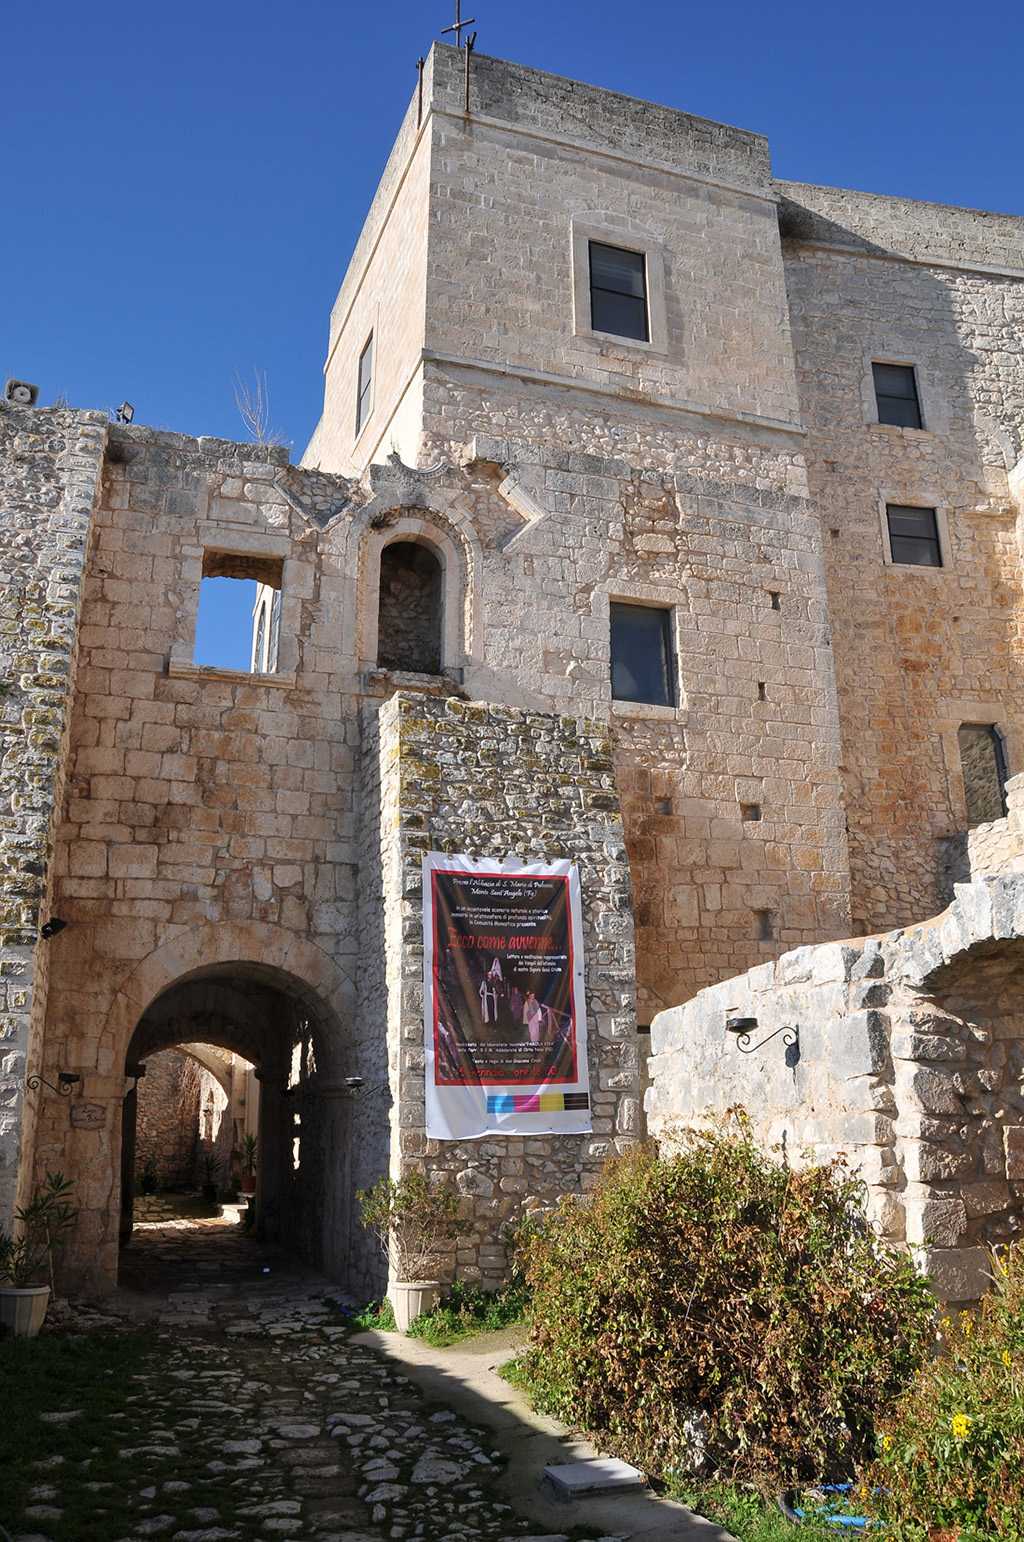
(22, 1309)
(411, 1297)
(247, 1183)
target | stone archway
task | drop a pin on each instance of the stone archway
(289, 1034)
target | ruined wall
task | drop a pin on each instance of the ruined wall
(910, 1061)
(169, 1101)
(49, 469)
(918, 650)
(491, 781)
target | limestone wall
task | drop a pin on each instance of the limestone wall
(169, 1102)
(491, 781)
(918, 650)
(911, 1062)
(49, 469)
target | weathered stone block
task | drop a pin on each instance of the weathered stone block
(934, 1092)
(1013, 1143)
(986, 1198)
(938, 1222)
(957, 1274)
(858, 1045)
(927, 1046)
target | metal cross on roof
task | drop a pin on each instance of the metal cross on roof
(458, 24)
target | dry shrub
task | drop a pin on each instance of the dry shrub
(714, 1298)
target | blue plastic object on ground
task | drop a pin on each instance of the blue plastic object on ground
(822, 1513)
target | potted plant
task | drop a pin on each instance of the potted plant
(211, 1167)
(413, 1219)
(247, 1153)
(26, 1259)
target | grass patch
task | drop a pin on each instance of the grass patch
(464, 1313)
(142, 1425)
(745, 1513)
(87, 1375)
(376, 1315)
(467, 1312)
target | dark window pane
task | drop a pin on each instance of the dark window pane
(913, 536)
(365, 382)
(618, 292)
(984, 769)
(618, 313)
(612, 268)
(896, 395)
(642, 655)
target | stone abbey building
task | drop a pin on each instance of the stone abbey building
(663, 516)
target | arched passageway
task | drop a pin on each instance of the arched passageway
(284, 1030)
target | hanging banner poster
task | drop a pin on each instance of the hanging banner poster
(506, 1032)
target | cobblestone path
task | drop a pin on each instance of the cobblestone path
(256, 1417)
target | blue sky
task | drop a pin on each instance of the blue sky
(182, 184)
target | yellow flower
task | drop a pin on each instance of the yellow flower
(960, 1425)
(886, 1442)
(1006, 1358)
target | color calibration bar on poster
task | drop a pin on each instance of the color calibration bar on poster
(536, 1102)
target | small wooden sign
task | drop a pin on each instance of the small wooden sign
(88, 1116)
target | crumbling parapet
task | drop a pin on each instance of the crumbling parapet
(911, 1063)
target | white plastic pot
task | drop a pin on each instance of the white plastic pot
(23, 1308)
(411, 1297)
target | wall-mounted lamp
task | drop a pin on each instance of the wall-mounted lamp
(66, 1083)
(743, 1027)
(358, 1084)
(51, 927)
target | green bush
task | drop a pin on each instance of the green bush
(716, 1300)
(951, 1457)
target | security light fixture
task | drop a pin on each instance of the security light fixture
(124, 413)
(21, 394)
(52, 927)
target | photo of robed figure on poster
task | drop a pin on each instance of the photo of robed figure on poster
(505, 986)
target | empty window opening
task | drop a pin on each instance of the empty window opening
(641, 646)
(765, 920)
(773, 595)
(239, 597)
(750, 812)
(896, 395)
(411, 605)
(983, 763)
(762, 691)
(618, 292)
(364, 385)
(913, 535)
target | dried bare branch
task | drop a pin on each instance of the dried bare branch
(253, 403)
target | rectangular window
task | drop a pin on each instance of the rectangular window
(642, 663)
(913, 536)
(618, 292)
(983, 764)
(238, 613)
(896, 395)
(364, 385)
